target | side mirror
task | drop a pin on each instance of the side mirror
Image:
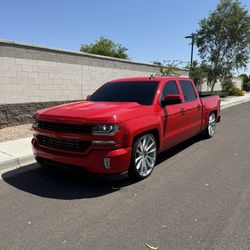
(171, 99)
(88, 97)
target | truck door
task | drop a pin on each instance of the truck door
(174, 121)
(192, 108)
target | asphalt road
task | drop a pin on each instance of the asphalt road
(198, 197)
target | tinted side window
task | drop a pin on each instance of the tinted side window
(188, 90)
(170, 88)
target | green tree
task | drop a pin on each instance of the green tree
(246, 80)
(223, 40)
(245, 77)
(198, 73)
(168, 68)
(105, 47)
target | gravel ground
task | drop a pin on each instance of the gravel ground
(15, 132)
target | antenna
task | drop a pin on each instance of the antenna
(151, 76)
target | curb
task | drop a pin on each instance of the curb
(16, 163)
(228, 105)
(7, 161)
(12, 161)
(15, 154)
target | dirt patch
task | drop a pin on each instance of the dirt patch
(15, 132)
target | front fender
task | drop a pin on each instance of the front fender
(140, 125)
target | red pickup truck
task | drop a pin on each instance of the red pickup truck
(123, 126)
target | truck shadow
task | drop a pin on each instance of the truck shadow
(65, 185)
(59, 184)
(177, 149)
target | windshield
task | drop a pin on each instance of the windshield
(142, 92)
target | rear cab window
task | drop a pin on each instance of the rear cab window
(188, 90)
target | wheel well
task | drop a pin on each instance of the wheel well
(215, 112)
(154, 132)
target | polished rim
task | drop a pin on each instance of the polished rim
(145, 155)
(211, 124)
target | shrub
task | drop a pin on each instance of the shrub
(223, 94)
(227, 84)
(236, 92)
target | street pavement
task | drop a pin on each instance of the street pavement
(198, 197)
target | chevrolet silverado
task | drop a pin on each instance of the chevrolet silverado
(122, 127)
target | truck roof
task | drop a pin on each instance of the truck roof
(150, 78)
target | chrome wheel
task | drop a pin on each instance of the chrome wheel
(145, 155)
(211, 124)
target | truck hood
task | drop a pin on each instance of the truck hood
(94, 111)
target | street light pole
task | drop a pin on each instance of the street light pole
(192, 49)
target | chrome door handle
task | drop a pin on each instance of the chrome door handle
(198, 107)
(182, 111)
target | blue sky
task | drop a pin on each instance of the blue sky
(151, 30)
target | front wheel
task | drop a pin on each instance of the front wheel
(143, 157)
(210, 130)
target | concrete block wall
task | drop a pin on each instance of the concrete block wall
(38, 74)
(205, 88)
(31, 73)
(238, 82)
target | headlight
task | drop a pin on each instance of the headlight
(105, 129)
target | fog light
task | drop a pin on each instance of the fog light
(106, 162)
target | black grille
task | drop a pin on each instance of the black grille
(64, 127)
(71, 145)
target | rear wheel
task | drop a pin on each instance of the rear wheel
(143, 157)
(210, 130)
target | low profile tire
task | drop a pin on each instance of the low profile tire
(143, 157)
(210, 130)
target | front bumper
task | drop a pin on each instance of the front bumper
(92, 162)
(79, 171)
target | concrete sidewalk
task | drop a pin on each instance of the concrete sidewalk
(234, 100)
(17, 153)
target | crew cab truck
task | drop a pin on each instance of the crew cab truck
(122, 127)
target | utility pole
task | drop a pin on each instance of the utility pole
(192, 36)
